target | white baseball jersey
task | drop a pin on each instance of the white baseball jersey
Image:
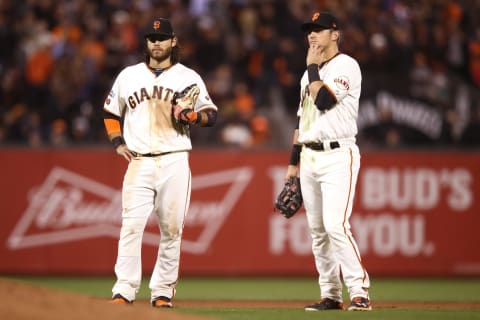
(145, 101)
(343, 78)
(160, 184)
(328, 178)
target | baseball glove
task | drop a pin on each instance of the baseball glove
(183, 103)
(290, 198)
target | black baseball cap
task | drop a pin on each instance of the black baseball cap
(321, 19)
(159, 27)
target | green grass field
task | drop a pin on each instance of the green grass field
(301, 289)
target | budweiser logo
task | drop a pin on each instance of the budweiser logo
(70, 207)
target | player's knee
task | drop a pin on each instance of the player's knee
(170, 231)
(133, 225)
(335, 231)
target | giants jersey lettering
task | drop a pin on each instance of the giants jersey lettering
(144, 101)
(343, 78)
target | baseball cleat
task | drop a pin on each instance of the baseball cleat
(119, 299)
(359, 304)
(325, 304)
(162, 302)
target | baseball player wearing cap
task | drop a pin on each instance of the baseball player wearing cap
(324, 144)
(151, 131)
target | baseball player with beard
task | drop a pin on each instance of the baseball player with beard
(147, 117)
(324, 145)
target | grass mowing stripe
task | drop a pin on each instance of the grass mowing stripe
(383, 289)
(248, 288)
(241, 288)
(299, 314)
(431, 289)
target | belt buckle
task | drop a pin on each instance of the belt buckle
(334, 145)
(331, 145)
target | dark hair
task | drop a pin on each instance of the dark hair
(175, 56)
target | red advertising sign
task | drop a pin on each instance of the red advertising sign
(414, 214)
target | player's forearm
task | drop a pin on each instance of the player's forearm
(295, 133)
(112, 124)
(314, 89)
(113, 129)
(315, 83)
(205, 117)
(293, 164)
(322, 96)
(296, 149)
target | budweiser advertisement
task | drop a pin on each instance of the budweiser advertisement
(415, 213)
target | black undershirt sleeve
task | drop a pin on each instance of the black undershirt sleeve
(108, 115)
(325, 99)
(211, 117)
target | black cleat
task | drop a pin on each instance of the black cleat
(325, 304)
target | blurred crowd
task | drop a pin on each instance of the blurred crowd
(59, 58)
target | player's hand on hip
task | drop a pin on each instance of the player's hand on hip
(125, 152)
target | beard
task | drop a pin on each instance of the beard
(159, 55)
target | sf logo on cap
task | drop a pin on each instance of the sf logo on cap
(156, 24)
(315, 16)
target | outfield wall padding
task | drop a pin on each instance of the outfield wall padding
(415, 213)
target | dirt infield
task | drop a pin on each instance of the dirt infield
(22, 301)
